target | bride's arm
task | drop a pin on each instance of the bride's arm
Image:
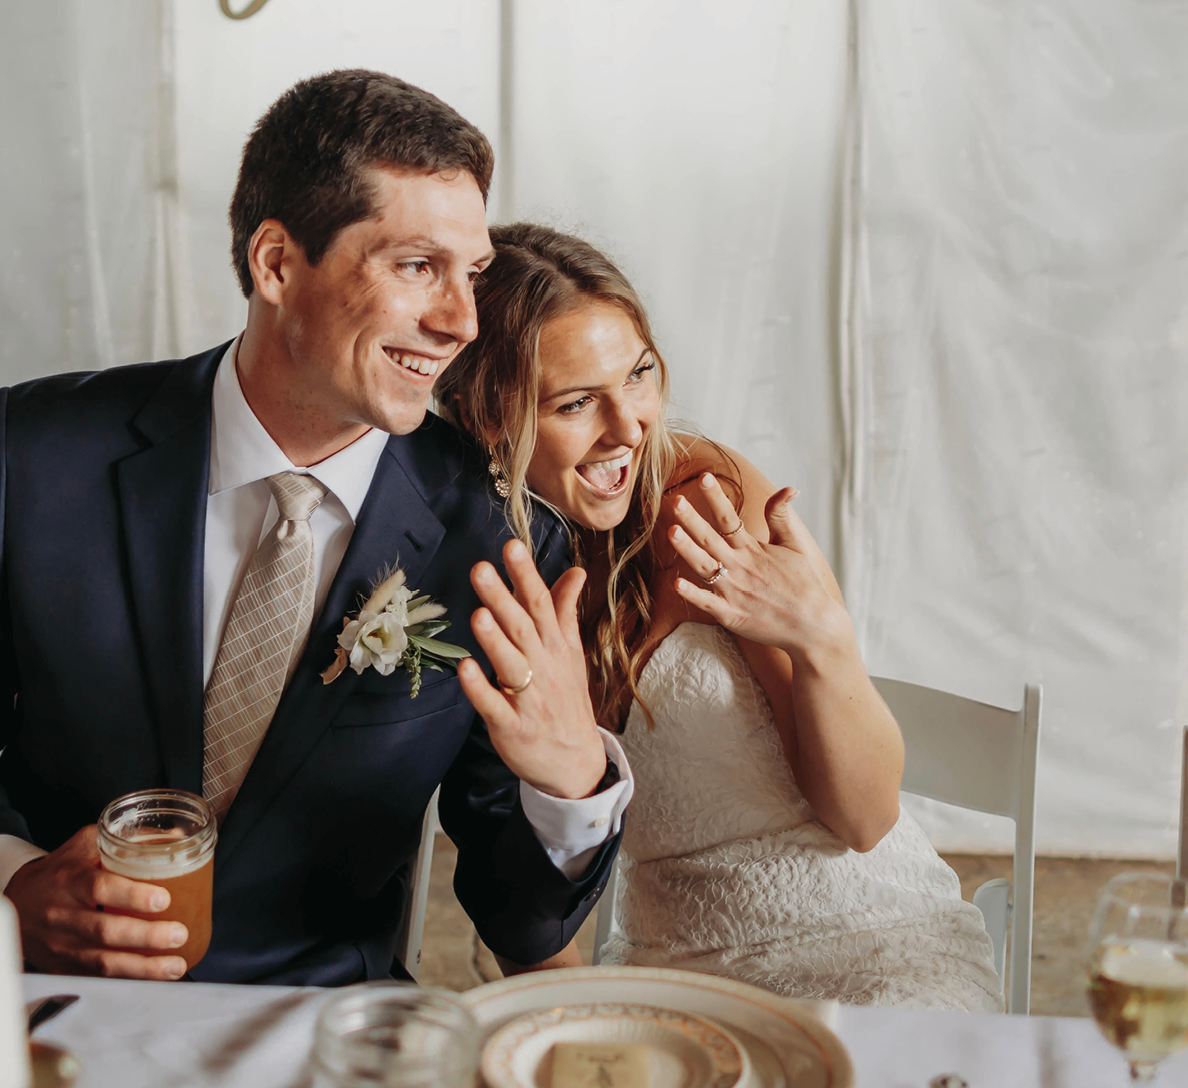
(841, 741)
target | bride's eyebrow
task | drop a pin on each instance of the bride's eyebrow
(590, 388)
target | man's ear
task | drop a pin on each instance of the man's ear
(271, 253)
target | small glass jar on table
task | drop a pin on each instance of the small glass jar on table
(381, 1034)
(167, 838)
(1138, 969)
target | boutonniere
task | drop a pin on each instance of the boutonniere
(395, 627)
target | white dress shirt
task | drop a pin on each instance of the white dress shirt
(240, 512)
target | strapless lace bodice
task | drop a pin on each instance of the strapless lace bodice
(726, 868)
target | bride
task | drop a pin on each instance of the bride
(765, 841)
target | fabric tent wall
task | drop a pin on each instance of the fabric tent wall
(1009, 410)
(1018, 320)
(228, 73)
(700, 144)
(88, 188)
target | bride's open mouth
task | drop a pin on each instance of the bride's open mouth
(607, 479)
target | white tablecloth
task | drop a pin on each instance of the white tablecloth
(186, 1035)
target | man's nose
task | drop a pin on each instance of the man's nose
(452, 313)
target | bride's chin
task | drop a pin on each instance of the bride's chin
(602, 521)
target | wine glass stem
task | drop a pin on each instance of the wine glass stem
(1143, 1072)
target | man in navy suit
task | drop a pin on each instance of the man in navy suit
(143, 506)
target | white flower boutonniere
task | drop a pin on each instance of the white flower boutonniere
(395, 627)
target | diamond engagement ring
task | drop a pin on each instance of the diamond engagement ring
(716, 575)
(520, 687)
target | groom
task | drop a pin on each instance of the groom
(182, 542)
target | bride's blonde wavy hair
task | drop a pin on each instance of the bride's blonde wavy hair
(492, 390)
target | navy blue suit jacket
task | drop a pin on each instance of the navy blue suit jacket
(103, 492)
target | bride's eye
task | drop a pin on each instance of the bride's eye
(575, 405)
(638, 373)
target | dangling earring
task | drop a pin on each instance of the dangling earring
(502, 487)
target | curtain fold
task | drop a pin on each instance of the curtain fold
(89, 186)
(1016, 335)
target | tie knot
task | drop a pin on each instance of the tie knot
(297, 495)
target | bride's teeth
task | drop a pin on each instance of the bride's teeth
(609, 466)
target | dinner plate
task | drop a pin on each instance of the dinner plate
(684, 1051)
(782, 1035)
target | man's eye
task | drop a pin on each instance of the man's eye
(416, 267)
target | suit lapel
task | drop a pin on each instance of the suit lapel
(163, 509)
(395, 527)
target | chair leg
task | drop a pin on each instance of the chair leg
(993, 900)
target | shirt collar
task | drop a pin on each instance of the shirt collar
(242, 451)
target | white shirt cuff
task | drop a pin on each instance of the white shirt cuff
(15, 852)
(573, 831)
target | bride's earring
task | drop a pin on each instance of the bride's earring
(502, 487)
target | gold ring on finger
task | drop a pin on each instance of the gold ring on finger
(716, 575)
(737, 529)
(518, 688)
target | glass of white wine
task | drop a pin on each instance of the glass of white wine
(1138, 969)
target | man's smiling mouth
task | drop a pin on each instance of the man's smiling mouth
(607, 479)
(418, 364)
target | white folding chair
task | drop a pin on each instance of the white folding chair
(408, 944)
(973, 755)
(983, 758)
(1182, 852)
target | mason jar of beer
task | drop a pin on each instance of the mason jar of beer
(384, 1034)
(166, 838)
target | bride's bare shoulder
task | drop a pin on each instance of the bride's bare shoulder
(740, 479)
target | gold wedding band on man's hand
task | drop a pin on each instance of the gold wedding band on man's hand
(716, 575)
(516, 690)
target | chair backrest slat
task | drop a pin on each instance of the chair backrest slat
(959, 751)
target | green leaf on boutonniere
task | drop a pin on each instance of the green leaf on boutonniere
(428, 629)
(440, 649)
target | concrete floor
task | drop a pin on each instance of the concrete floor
(1065, 894)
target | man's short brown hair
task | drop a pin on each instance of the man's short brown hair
(305, 162)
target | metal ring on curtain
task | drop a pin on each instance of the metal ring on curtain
(247, 13)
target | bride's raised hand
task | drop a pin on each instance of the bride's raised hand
(779, 592)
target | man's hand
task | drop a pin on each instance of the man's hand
(546, 732)
(61, 898)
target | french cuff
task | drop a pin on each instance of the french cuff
(572, 832)
(15, 852)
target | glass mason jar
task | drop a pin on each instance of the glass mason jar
(380, 1034)
(166, 838)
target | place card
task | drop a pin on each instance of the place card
(600, 1065)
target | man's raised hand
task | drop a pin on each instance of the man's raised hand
(62, 901)
(540, 718)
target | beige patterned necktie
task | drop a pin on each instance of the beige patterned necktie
(265, 635)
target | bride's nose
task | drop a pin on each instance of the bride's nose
(622, 426)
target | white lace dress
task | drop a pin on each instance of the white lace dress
(727, 870)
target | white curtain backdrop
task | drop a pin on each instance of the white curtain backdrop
(88, 186)
(1017, 333)
(700, 144)
(228, 73)
(959, 325)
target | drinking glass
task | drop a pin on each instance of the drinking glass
(1138, 969)
(381, 1034)
(167, 838)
